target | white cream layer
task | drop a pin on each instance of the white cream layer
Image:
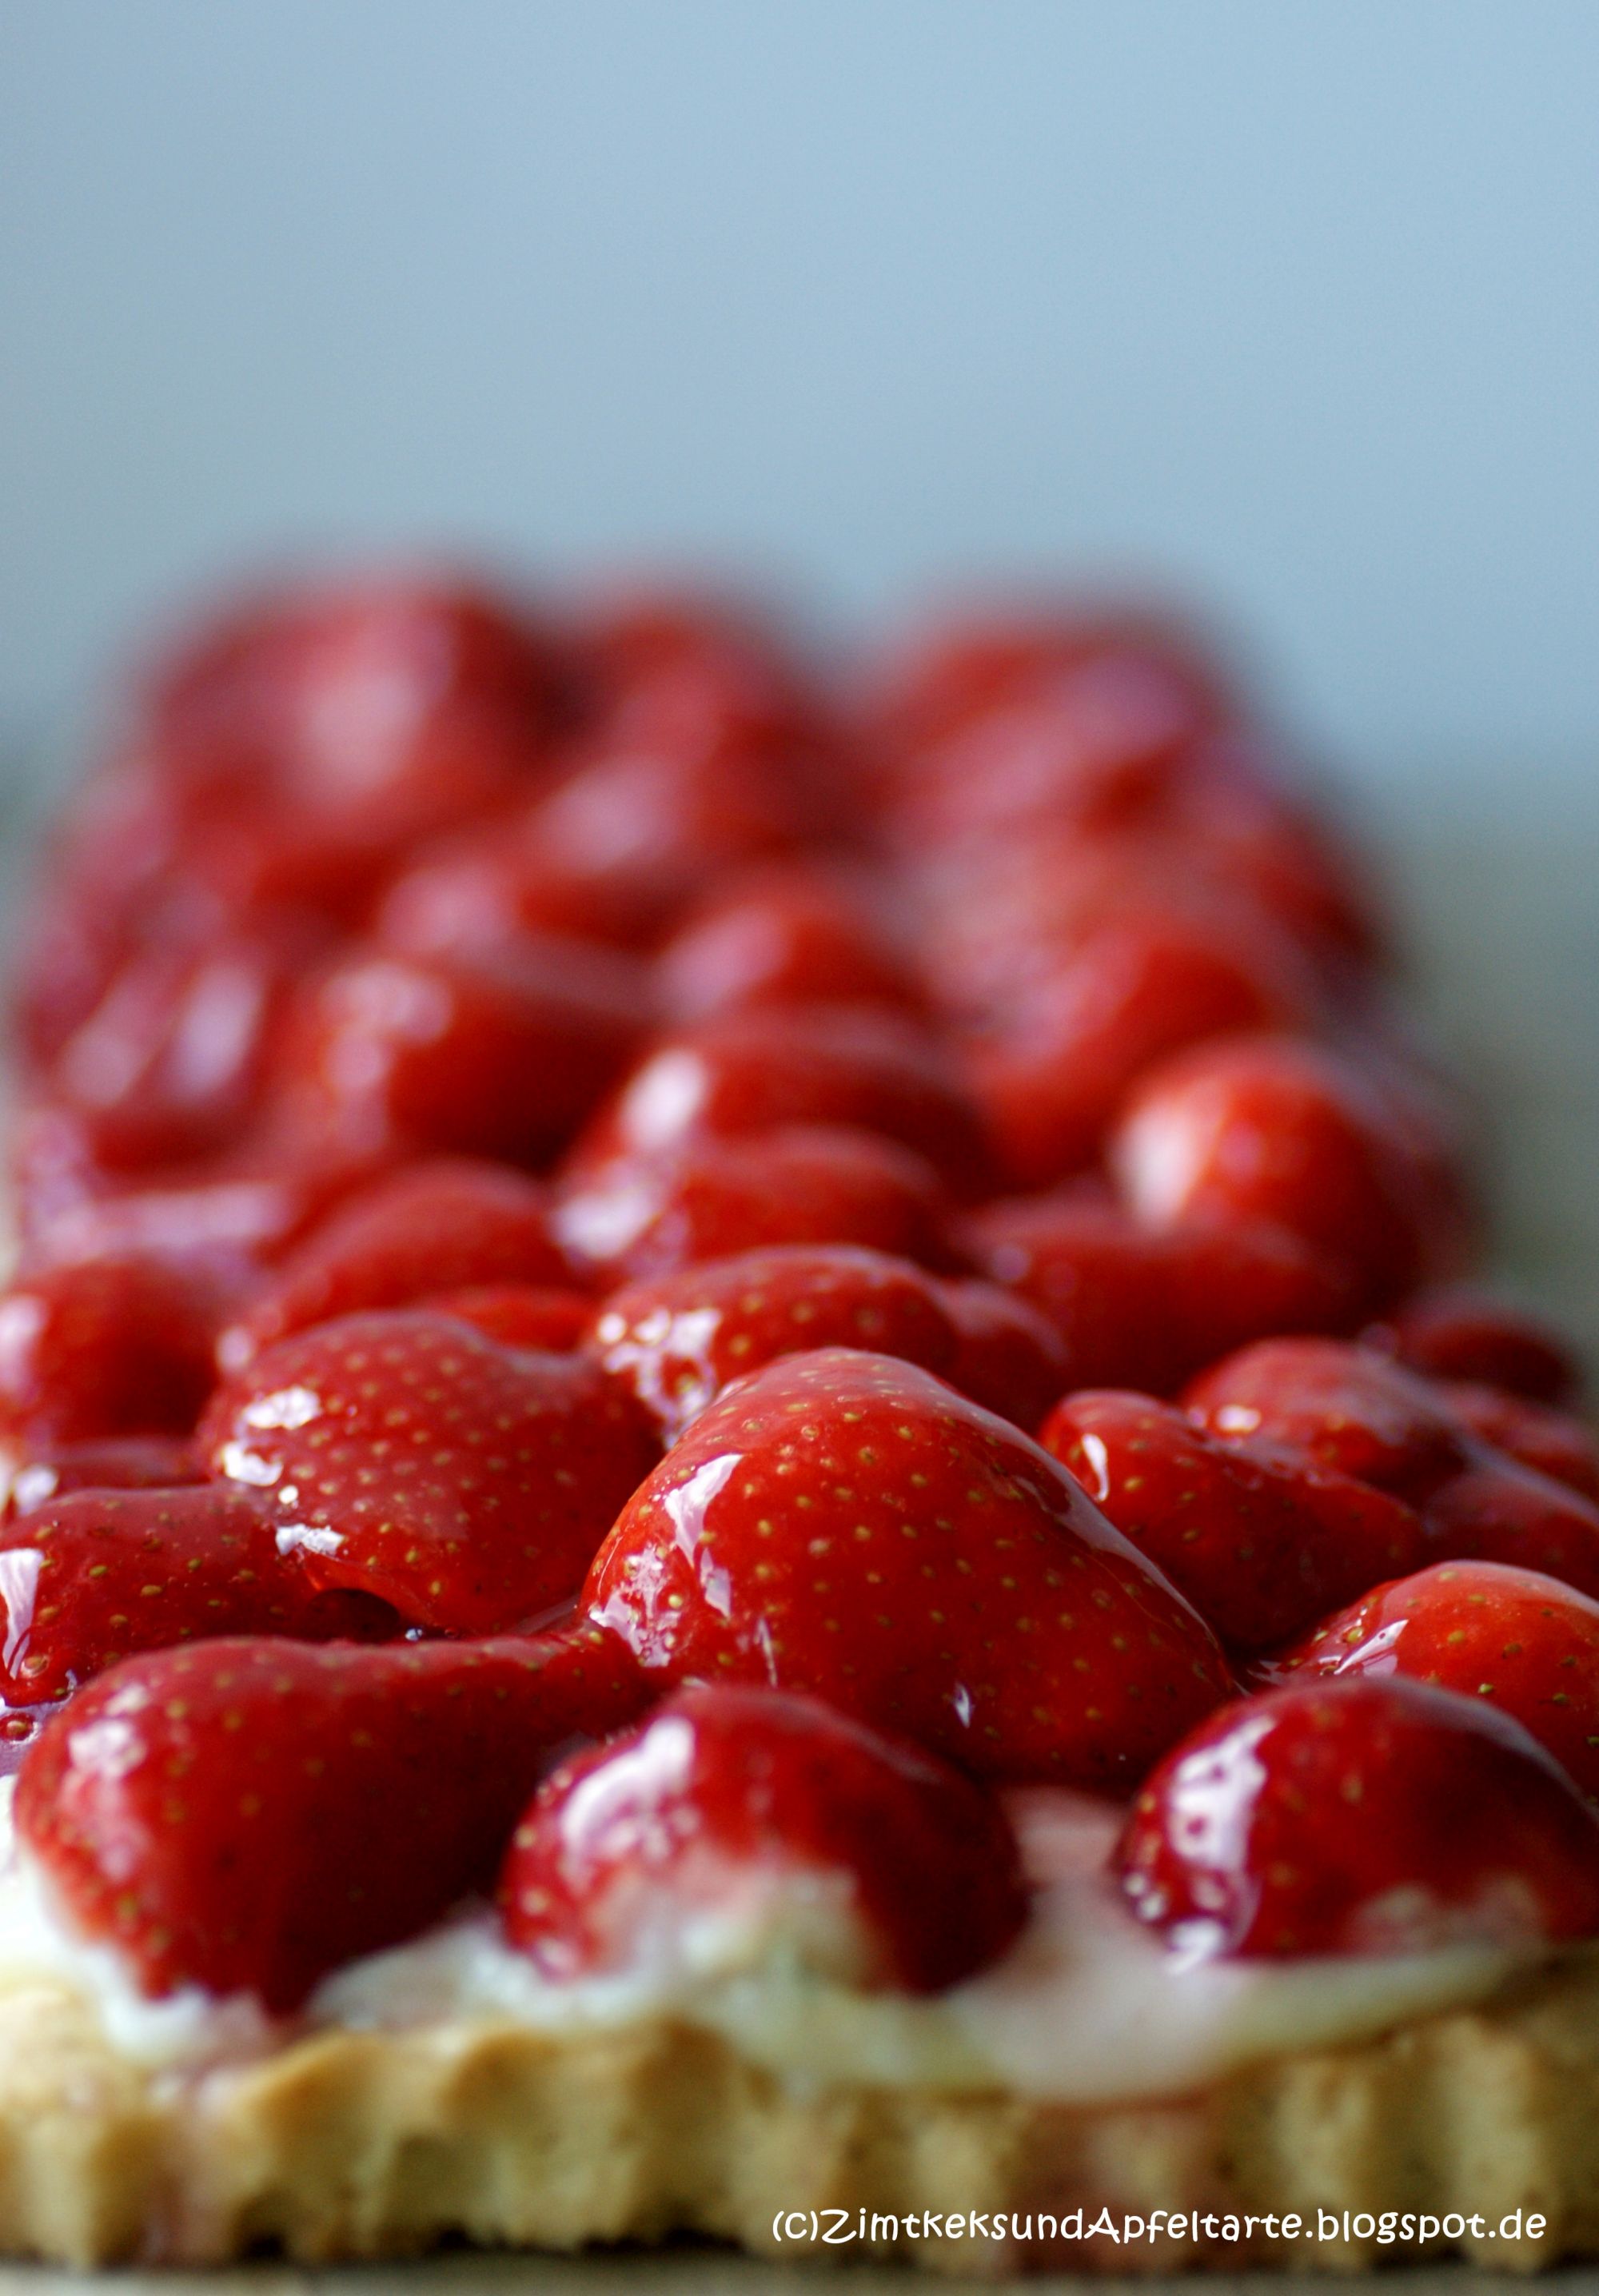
(1088, 2007)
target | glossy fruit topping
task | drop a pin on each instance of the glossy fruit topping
(737, 1826)
(407, 1453)
(110, 1347)
(1360, 1816)
(1459, 1332)
(1260, 1545)
(845, 1524)
(246, 1816)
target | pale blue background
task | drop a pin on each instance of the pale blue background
(1295, 302)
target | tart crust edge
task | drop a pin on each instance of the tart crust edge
(352, 2144)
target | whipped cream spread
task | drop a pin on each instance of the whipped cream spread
(1087, 2008)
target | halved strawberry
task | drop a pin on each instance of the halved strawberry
(247, 1815)
(1556, 1443)
(1459, 1332)
(466, 1483)
(114, 1463)
(1259, 1545)
(1351, 1409)
(1009, 1356)
(92, 1577)
(845, 1524)
(118, 1346)
(1364, 1817)
(1518, 1638)
(736, 1825)
(638, 1215)
(793, 935)
(430, 1227)
(520, 1314)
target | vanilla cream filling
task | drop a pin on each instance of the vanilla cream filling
(1087, 2008)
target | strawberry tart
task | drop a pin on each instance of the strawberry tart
(754, 1483)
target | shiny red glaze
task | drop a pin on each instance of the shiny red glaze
(678, 1340)
(408, 1455)
(501, 1054)
(1053, 1074)
(1364, 1817)
(796, 1065)
(793, 936)
(1271, 1129)
(120, 1346)
(112, 1463)
(430, 1227)
(1556, 1443)
(334, 1800)
(728, 1793)
(845, 1524)
(640, 1216)
(1260, 1546)
(1342, 1404)
(1142, 1309)
(1009, 1356)
(1519, 1639)
(520, 1314)
(95, 1576)
(1460, 1333)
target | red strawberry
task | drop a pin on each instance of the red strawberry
(430, 1227)
(785, 936)
(1348, 1408)
(1270, 1128)
(1146, 1310)
(86, 1578)
(1008, 1355)
(642, 1216)
(520, 1314)
(1462, 1334)
(1554, 1442)
(845, 1524)
(120, 1346)
(1259, 1547)
(1052, 1076)
(116, 1463)
(500, 1055)
(1360, 1816)
(1501, 1511)
(247, 1815)
(678, 1341)
(1517, 1639)
(790, 1828)
(796, 1065)
(466, 1483)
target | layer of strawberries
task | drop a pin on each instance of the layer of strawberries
(652, 1280)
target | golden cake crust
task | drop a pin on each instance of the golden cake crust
(348, 2144)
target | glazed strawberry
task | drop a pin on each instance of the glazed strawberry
(844, 1524)
(466, 1483)
(1145, 1309)
(1053, 1074)
(1363, 1816)
(520, 1314)
(430, 1227)
(678, 1341)
(1259, 1547)
(498, 1054)
(1341, 1405)
(734, 1827)
(796, 1065)
(1502, 1511)
(1524, 1641)
(88, 1578)
(1271, 1129)
(1554, 1442)
(115, 1462)
(645, 1215)
(1008, 1355)
(794, 935)
(274, 1810)
(1459, 1333)
(119, 1346)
